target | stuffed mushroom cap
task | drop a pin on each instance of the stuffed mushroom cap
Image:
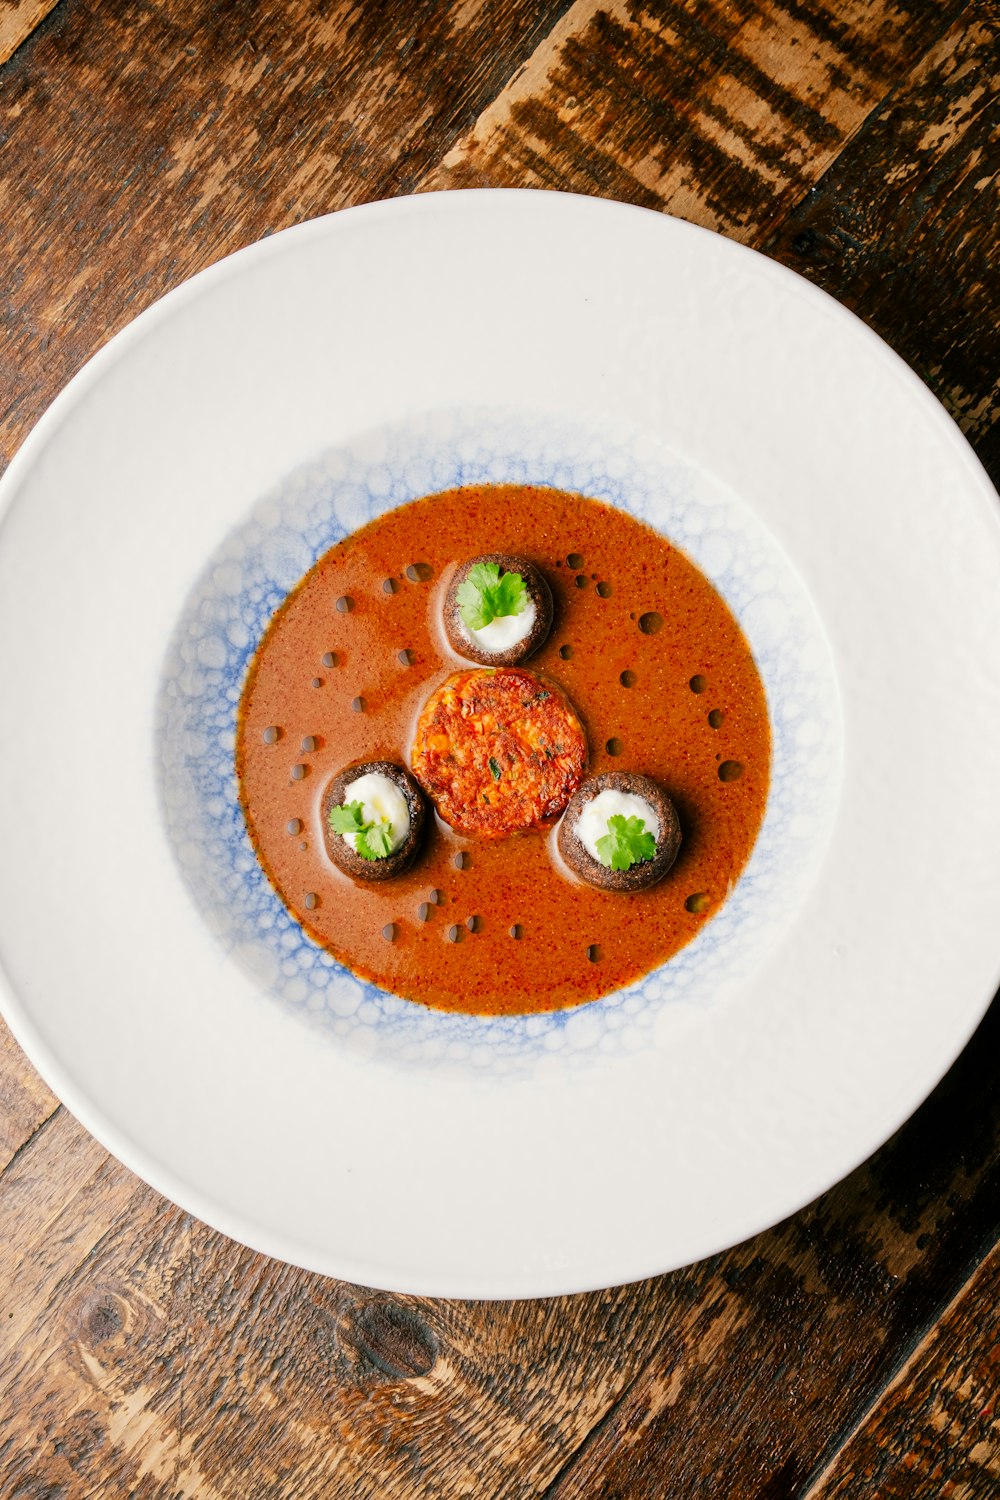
(620, 819)
(502, 640)
(373, 819)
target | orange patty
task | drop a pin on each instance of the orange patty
(498, 751)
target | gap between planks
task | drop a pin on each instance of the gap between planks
(487, 155)
(30, 1140)
(18, 21)
(565, 1470)
(908, 1362)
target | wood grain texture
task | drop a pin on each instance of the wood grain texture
(18, 19)
(141, 142)
(936, 1428)
(899, 228)
(723, 113)
(25, 1102)
(843, 1352)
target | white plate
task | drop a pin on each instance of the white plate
(239, 425)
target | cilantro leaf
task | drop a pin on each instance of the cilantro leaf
(626, 843)
(484, 596)
(349, 818)
(494, 766)
(373, 840)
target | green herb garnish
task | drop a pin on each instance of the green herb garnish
(626, 843)
(373, 840)
(494, 766)
(483, 595)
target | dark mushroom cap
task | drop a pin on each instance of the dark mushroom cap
(337, 847)
(539, 593)
(648, 871)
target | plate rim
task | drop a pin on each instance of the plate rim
(17, 1013)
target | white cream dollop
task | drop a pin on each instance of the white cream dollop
(592, 824)
(505, 632)
(380, 798)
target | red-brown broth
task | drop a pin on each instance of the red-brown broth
(650, 657)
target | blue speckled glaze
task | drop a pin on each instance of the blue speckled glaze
(321, 502)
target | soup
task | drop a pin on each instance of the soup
(643, 651)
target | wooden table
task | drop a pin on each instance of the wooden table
(851, 1351)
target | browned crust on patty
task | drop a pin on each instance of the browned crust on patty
(498, 752)
(539, 593)
(648, 871)
(337, 847)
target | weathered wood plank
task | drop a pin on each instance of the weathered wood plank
(722, 113)
(18, 20)
(903, 227)
(142, 142)
(67, 1319)
(25, 1102)
(936, 1428)
(797, 1333)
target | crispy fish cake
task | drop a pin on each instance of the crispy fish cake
(498, 751)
